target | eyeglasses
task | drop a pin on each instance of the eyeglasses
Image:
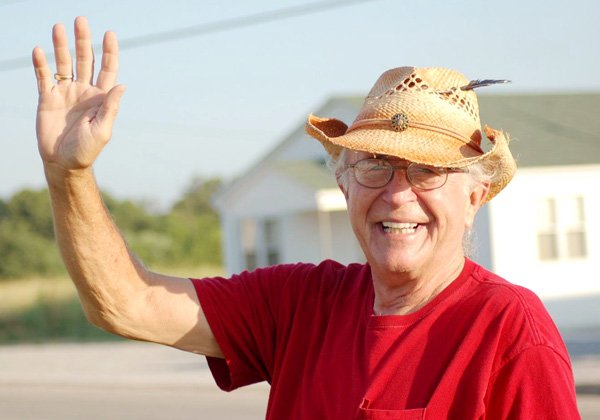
(378, 172)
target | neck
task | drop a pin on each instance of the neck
(407, 293)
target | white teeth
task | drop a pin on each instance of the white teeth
(403, 228)
(394, 225)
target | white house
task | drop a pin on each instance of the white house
(288, 208)
(542, 231)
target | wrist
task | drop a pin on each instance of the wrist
(59, 176)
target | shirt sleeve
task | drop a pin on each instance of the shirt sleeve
(243, 314)
(536, 383)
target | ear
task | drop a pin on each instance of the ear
(476, 199)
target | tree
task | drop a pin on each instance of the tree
(27, 236)
(194, 224)
(188, 235)
(197, 198)
(31, 207)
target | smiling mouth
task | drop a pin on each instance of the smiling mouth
(399, 228)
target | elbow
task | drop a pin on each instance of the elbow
(95, 318)
(100, 319)
(108, 320)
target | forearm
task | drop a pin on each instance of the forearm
(73, 124)
(107, 276)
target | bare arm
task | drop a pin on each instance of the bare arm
(74, 123)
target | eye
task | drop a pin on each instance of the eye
(420, 170)
(372, 165)
(379, 167)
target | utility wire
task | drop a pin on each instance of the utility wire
(7, 2)
(203, 29)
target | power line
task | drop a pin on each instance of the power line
(7, 2)
(204, 29)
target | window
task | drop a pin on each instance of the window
(547, 234)
(271, 236)
(260, 242)
(561, 228)
(575, 228)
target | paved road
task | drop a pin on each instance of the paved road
(116, 381)
(145, 381)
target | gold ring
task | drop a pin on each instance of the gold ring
(61, 77)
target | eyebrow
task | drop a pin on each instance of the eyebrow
(391, 158)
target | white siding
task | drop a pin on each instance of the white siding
(307, 235)
(514, 229)
(346, 248)
(271, 194)
(232, 253)
(301, 238)
(481, 240)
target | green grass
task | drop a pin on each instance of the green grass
(50, 320)
(38, 309)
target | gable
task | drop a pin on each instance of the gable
(304, 156)
(272, 193)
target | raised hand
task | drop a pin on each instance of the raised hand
(75, 116)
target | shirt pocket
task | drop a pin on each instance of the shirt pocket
(374, 414)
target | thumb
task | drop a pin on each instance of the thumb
(109, 109)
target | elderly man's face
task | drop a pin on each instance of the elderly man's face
(405, 230)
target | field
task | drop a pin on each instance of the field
(40, 309)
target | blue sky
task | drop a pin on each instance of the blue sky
(212, 105)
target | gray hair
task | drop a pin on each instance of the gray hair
(480, 172)
(338, 167)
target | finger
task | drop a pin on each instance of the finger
(42, 71)
(110, 62)
(108, 111)
(83, 51)
(62, 56)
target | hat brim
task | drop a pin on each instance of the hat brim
(416, 145)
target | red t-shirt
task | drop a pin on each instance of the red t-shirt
(482, 349)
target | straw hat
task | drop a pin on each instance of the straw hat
(423, 115)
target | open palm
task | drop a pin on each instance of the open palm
(74, 116)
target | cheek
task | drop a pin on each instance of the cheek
(356, 210)
(359, 201)
(451, 211)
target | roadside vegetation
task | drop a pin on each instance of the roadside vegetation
(41, 309)
(39, 302)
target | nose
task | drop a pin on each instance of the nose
(399, 189)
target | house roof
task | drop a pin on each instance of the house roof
(547, 129)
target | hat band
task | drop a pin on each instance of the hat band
(388, 123)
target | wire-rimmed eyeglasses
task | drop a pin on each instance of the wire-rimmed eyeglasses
(378, 172)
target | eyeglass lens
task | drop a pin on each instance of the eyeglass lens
(376, 173)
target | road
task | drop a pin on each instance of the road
(126, 380)
(130, 380)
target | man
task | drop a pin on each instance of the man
(419, 331)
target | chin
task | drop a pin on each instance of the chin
(399, 265)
